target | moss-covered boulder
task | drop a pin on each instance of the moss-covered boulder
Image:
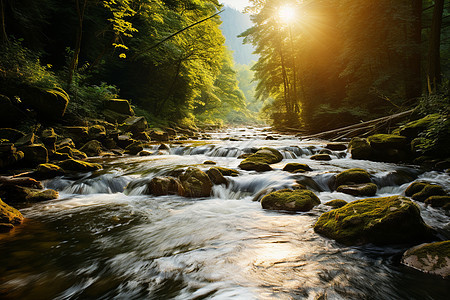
(438, 201)
(50, 104)
(78, 166)
(114, 117)
(290, 200)
(296, 168)
(359, 190)
(142, 136)
(336, 146)
(48, 137)
(387, 141)
(261, 160)
(120, 106)
(134, 148)
(414, 188)
(97, 132)
(432, 258)
(9, 155)
(72, 152)
(216, 176)
(64, 142)
(428, 191)
(360, 149)
(159, 135)
(352, 176)
(412, 129)
(135, 124)
(9, 217)
(34, 154)
(78, 134)
(46, 171)
(92, 148)
(209, 162)
(17, 194)
(337, 203)
(389, 220)
(160, 186)
(321, 157)
(228, 172)
(196, 183)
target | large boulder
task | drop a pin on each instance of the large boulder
(261, 160)
(290, 200)
(216, 176)
(412, 129)
(336, 146)
(423, 192)
(160, 186)
(296, 168)
(9, 217)
(97, 132)
(227, 171)
(432, 258)
(438, 201)
(17, 194)
(48, 103)
(48, 137)
(159, 135)
(196, 183)
(34, 154)
(134, 148)
(114, 117)
(134, 124)
(78, 134)
(389, 147)
(92, 148)
(120, 106)
(321, 157)
(46, 171)
(336, 203)
(389, 220)
(79, 166)
(72, 152)
(360, 149)
(359, 190)
(352, 176)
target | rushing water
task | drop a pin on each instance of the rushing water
(105, 239)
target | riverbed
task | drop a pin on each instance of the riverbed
(104, 238)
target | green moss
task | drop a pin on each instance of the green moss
(228, 172)
(386, 220)
(337, 203)
(428, 191)
(9, 214)
(296, 167)
(291, 200)
(438, 201)
(364, 189)
(261, 160)
(438, 252)
(412, 129)
(79, 166)
(360, 149)
(45, 171)
(387, 141)
(321, 157)
(414, 188)
(352, 176)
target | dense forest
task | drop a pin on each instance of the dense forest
(327, 64)
(154, 53)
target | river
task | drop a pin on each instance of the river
(105, 239)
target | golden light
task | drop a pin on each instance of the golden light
(287, 14)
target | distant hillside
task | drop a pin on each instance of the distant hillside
(234, 23)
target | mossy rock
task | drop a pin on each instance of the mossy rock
(387, 141)
(50, 104)
(432, 258)
(389, 220)
(216, 176)
(65, 142)
(209, 162)
(290, 200)
(46, 171)
(336, 146)
(412, 129)
(73, 153)
(120, 106)
(114, 117)
(160, 186)
(414, 188)
(261, 160)
(438, 201)
(9, 156)
(352, 176)
(359, 190)
(34, 154)
(296, 167)
(97, 132)
(321, 157)
(9, 217)
(78, 134)
(196, 183)
(134, 148)
(11, 134)
(134, 124)
(360, 149)
(159, 135)
(337, 203)
(18, 194)
(92, 148)
(49, 136)
(228, 172)
(79, 166)
(428, 191)
(326, 151)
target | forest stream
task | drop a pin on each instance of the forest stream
(105, 238)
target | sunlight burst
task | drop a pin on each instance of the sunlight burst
(287, 14)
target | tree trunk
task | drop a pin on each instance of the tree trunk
(413, 77)
(434, 59)
(74, 63)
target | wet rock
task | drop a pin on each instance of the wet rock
(360, 149)
(321, 157)
(17, 194)
(337, 203)
(134, 148)
(387, 141)
(389, 220)
(92, 148)
(114, 117)
(432, 258)
(78, 166)
(135, 124)
(244, 155)
(163, 147)
(78, 134)
(73, 153)
(296, 167)
(261, 160)
(12, 135)
(290, 200)
(34, 154)
(216, 176)
(160, 186)
(97, 132)
(142, 136)
(196, 183)
(144, 153)
(228, 172)
(9, 217)
(120, 106)
(428, 191)
(358, 190)
(109, 143)
(414, 188)
(65, 142)
(326, 151)
(158, 135)
(336, 146)
(46, 171)
(438, 201)
(352, 176)
(209, 162)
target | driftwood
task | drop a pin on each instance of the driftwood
(361, 129)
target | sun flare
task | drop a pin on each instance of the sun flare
(287, 14)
